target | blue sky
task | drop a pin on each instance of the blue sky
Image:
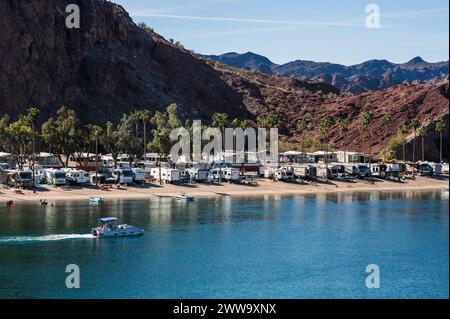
(287, 30)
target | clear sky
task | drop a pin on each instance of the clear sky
(287, 30)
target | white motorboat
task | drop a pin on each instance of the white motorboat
(184, 197)
(108, 228)
(96, 200)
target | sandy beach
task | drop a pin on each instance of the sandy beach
(264, 187)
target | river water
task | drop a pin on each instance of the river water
(315, 246)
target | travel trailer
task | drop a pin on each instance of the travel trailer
(285, 174)
(138, 174)
(378, 170)
(337, 170)
(55, 177)
(100, 179)
(307, 172)
(198, 174)
(231, 174)
(424, 169)
(123, 175)
(168, 175)
(351, 169)
(185, 177)
(77, 176)
(323, 172)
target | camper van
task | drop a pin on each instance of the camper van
(123, 175)
(378, 170)
(168, 175)
(55, 177)
(138, 174)
(77, 176)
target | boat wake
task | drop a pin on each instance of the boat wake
(54, 237)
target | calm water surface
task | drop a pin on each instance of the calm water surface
(268, 247)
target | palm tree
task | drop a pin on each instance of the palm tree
(31, 119)
(221, 120)
(404, 130)
(440, 127)
(95, 135)
(145, 117)
(302, 127)
(368, 118)
(387, 118)
(343, 129)
(362, 131)
(414, 125)
(325, 128)
(422, 132)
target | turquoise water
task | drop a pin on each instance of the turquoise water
(268, 247)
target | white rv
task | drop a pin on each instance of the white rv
(55, 177)
(198, 174)
(393, 171)
(138, 174)
(363, 170)
(285, 173)
(77, 176)
(231, 174)
(351, 169)
(308, 172)
(20, 178)
(378, 170)
(168, 175)
(123, 175)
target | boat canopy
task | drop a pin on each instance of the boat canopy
(108, 219)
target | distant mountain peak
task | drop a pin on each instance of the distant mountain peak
(416, 60)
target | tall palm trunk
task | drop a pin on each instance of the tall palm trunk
(34, 156)
(414, 152)
(96, 160)
(440, 147)
(145, 139)
(160, 169)
(423, 149)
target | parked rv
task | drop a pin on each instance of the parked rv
(363, 170)
(185, 177)
(231, 174)
(138, 175)
(77, 176)
(306, 172)
(285, 174)
(198, 174)
(393, 170)
(378, 170)
(168, 175)
(20, 178)
(424, 169)
(123, 176)
(351, 169)
(437, 168)
(55, 177)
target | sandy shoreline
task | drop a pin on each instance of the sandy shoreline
(264, 187)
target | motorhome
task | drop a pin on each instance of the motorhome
(337, 170)
(20, 178)
(55, 177)
(77, 176)
(285, 174)
(185, 177)
(99, 179)
(323, 171)
(123, 175)
(168, 175)
(363, 170)
(378, 170)
(393, 171)
(138, 174)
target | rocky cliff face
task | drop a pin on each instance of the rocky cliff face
(104, 69)
(110, 66)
